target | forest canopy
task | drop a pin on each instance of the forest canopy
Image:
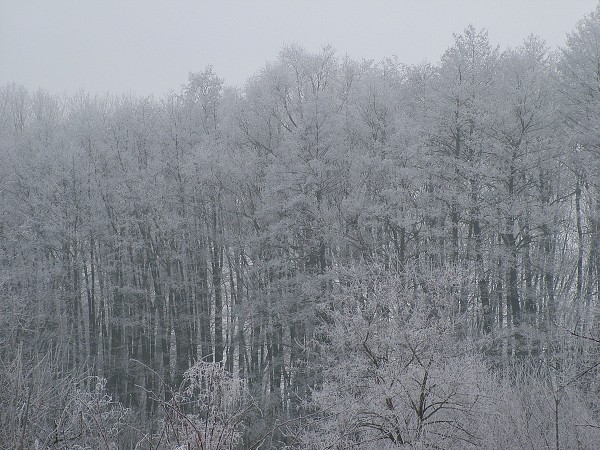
(341, 255)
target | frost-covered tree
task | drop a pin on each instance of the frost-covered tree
(397, 372)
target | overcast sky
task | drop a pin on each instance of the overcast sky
(150, 47)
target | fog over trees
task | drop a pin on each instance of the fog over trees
(342, 255)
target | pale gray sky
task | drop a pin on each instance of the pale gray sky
(151, 46)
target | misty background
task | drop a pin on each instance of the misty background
(150, 47)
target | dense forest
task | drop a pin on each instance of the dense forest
(340, 255)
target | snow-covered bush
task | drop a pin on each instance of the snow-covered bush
(90, 419)
(207, 412)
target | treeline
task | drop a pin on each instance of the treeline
(296, 235)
